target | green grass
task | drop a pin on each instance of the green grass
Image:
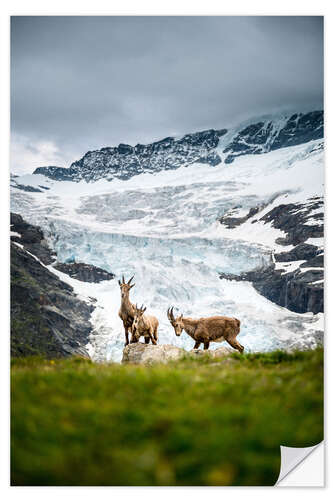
(193, 422)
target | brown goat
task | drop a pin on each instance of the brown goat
(206, 330)
(144, 325)
(127, 309)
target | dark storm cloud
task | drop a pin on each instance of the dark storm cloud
(80, 83)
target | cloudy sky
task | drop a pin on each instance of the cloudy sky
(82, 83)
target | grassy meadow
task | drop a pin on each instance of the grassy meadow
(192, 422)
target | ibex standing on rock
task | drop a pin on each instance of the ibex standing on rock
(206, 330)
(127, 309)
(144, 325)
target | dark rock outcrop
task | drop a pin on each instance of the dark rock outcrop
(297, 290)
(303, 251)
(301, 290)
(47, 317)
(32, 238)
(262, 137)
(300, 128)
(299, 221)
(84, 272)
(57, 173)
(125, 161)
(28, 189)
(231, 222)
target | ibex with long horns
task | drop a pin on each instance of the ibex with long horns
(127, 309)
(206, 330)
(144, 325)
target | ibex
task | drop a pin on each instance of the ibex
(127, 309)
(206, 330)
(144, 325)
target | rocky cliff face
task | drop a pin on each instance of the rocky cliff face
(299, 221)
(47, 318)
(301, 289)
(267, 136)
(125, 161)
(32, 238)
(209, 146)
(84, 272)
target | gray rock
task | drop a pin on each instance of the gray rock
(213, 353)
(300, 290)
(148, 354)
(84, 272)
(32, 238)
(262, 137)
(297, 291)
(293, 219)
(303, 251)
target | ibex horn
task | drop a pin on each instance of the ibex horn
(170, 314)
(123, 279)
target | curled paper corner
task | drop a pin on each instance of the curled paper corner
(291, 458)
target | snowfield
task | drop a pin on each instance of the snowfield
(164, 229)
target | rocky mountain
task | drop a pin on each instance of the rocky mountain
(47, 317)
(270, 135)
(302, 288)
(125, 161)
(210, 146)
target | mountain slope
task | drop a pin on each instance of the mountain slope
(209, 147)
(47, 316)
(295, 278)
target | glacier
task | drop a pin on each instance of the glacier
(163, 227)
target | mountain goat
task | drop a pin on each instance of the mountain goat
(144, 325)
(127, 309)
(206, 330)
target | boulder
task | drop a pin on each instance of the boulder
(148, 354)
(212, 353)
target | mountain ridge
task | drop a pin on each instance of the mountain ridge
(210, 146)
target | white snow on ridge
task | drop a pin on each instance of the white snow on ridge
(163, 228)
(14, 233)
(288, 267)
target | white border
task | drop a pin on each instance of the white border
(142, 7)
